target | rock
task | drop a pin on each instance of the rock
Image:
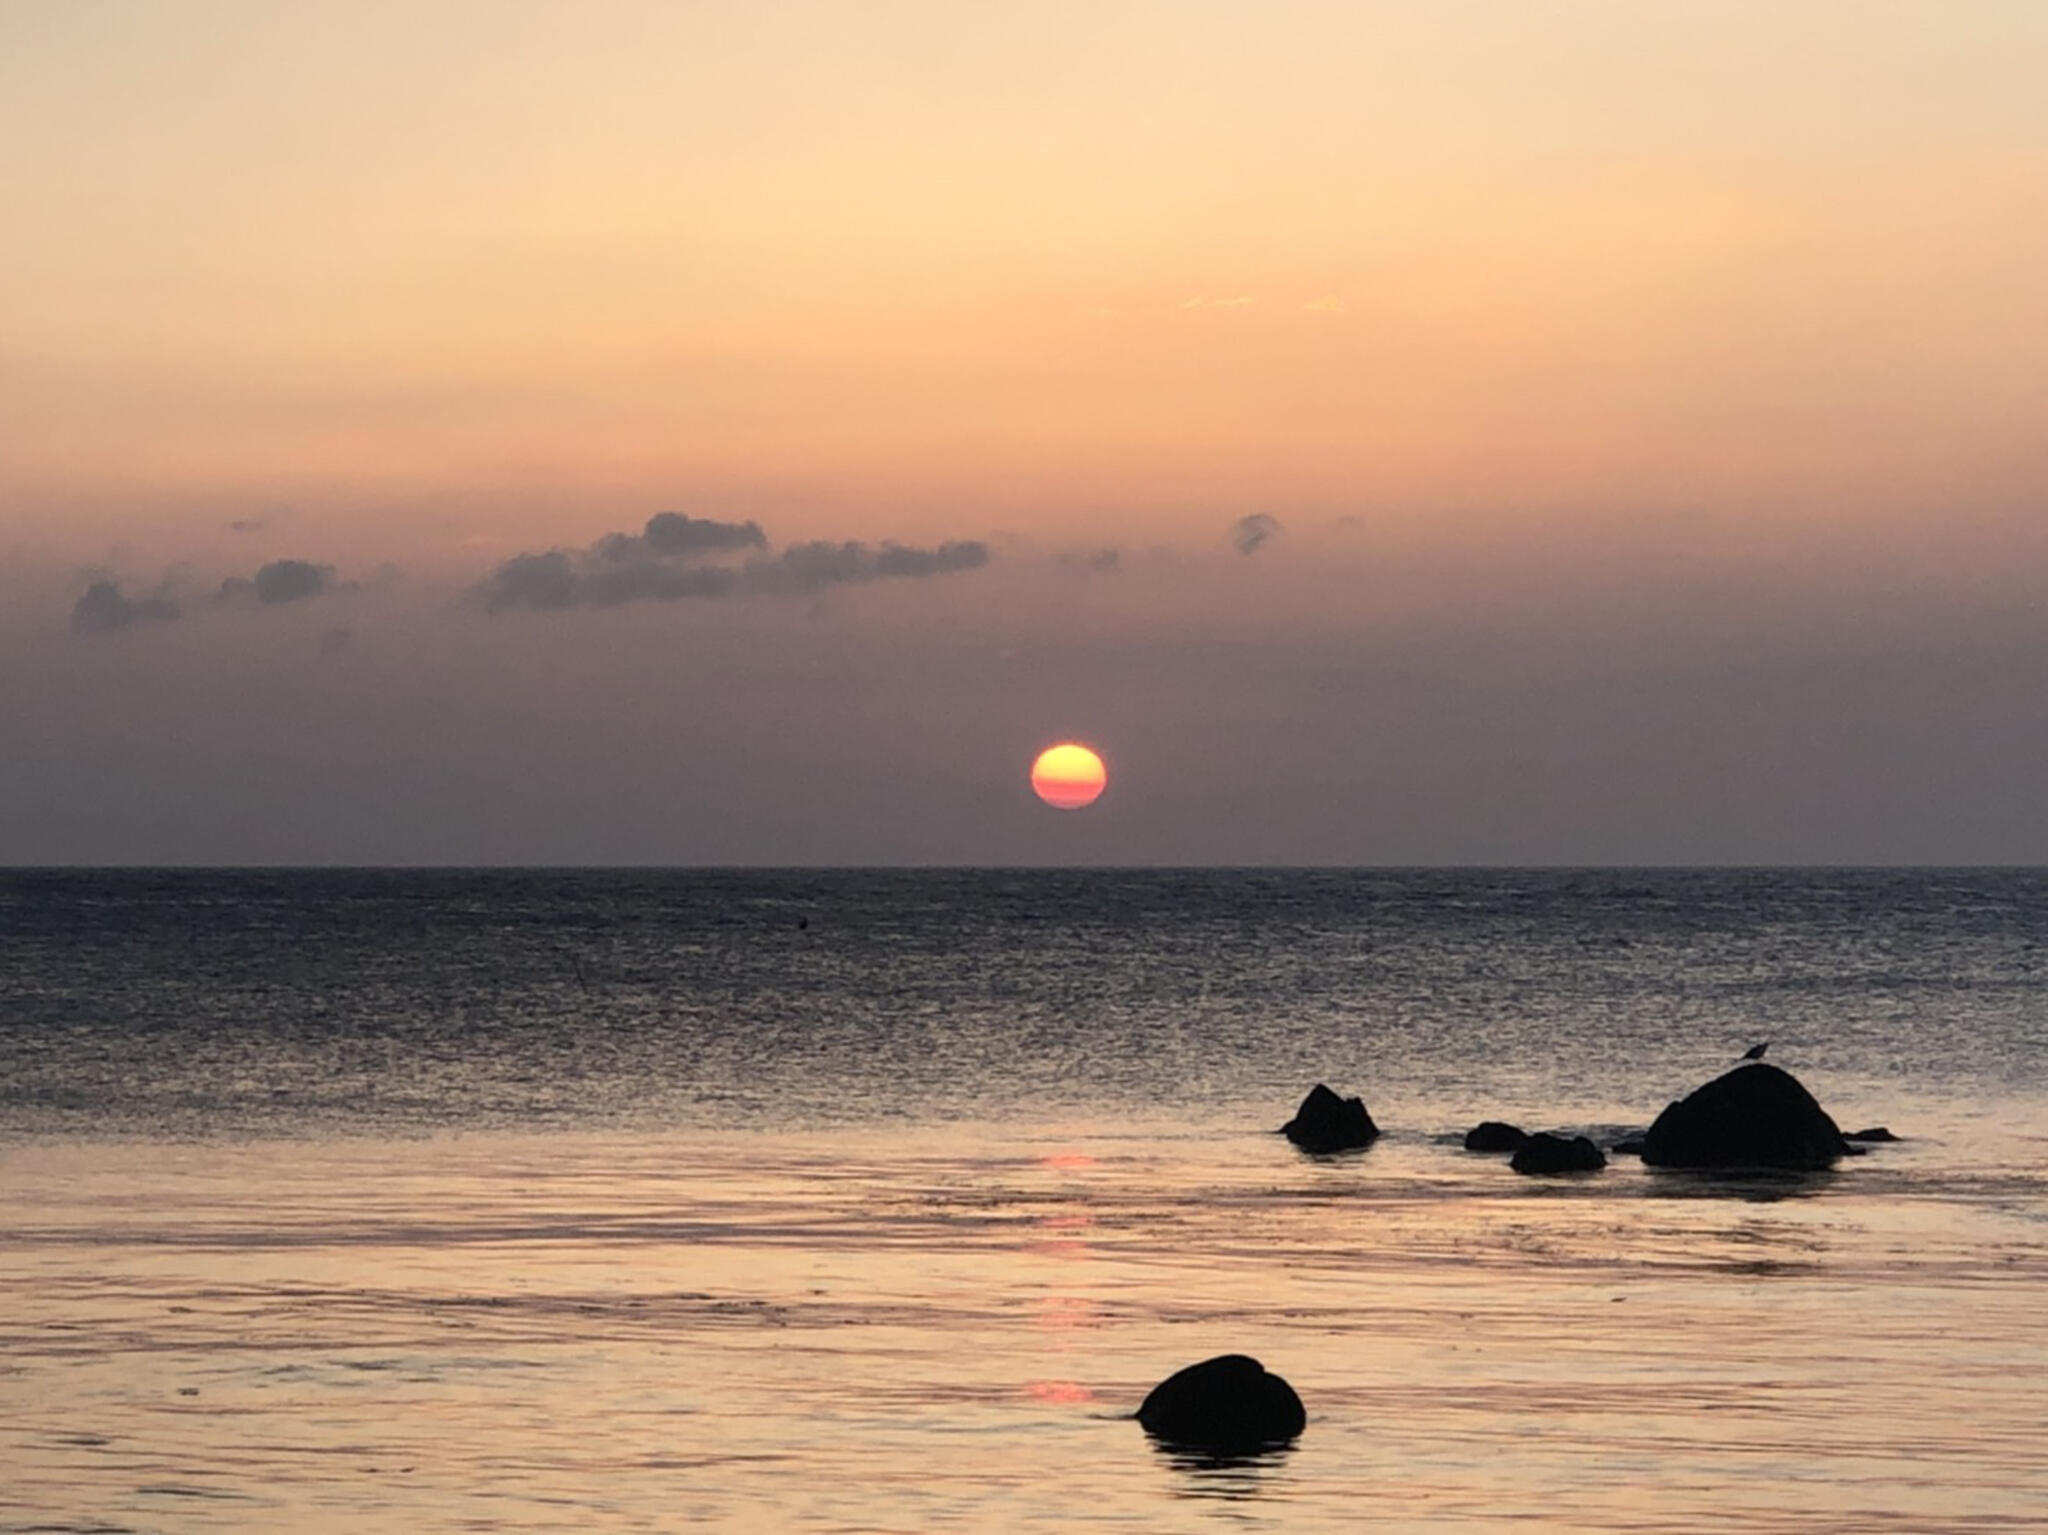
(1492, 1135)
(1555, 1154)
(1230, 1403)
(1755, 1116)
(1874, 1133)
(1325, 1122)
(1630, 1146)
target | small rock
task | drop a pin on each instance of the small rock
(1326, 1123)
(1493, 1135)
(1631, 1146)
(1874, 1133)
(1231, 1403)
(1555, 1154)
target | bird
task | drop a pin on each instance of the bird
(1756, 1052)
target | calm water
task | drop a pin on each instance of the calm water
(458, 1201)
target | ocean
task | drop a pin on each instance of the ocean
(876, 1200)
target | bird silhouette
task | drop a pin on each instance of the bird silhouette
(1756, 1052)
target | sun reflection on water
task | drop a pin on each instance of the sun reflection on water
(804, 1330)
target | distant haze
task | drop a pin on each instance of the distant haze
(747, 433)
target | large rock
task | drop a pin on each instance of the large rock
(1231, 1403)
(1755, 1116)
(1495, 1135)
(1545, 1153)
(1325, 1122)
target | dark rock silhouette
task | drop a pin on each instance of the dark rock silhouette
(1628, 1146)
(1231, 1404)
(1325, 1122)
(1493, 1135)
(1545, 1153)
(1874, 1133)
(1756, 1116)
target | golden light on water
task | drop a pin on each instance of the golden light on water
(1068, 776)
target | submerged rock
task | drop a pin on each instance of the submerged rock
(1325, 1122)
(1755, 1116)
(1554, 1154)
(1231, 1403)
(1493, 1135)
(1874, 1133)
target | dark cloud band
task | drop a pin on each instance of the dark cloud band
(665, 563)
(104, 608)
(281, 581)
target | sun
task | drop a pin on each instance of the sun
(1068, 776)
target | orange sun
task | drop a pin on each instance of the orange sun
(1068, 776)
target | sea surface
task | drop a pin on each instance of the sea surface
(517, 1200)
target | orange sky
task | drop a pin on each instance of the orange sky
(1163, 256)
(1571, 332)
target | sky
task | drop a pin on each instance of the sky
(1577, 432)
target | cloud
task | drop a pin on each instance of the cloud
(562, 578)
(248, 524)
(804, 569)
(651, 581)
(671, 535)
(281, 581)
(1251, 534)
(664, 563)
(103, 609)
(537, 581)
